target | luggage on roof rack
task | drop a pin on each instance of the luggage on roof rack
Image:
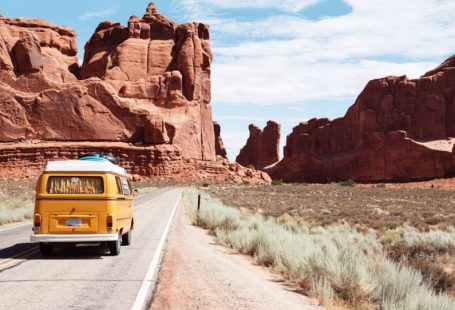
(98, 157)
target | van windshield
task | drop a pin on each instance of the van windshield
(75, 185)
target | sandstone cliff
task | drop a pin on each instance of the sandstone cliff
(147, 84)
(150, 82)
(399, 129)
(262, 147)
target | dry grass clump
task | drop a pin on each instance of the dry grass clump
(430, 253)
(339, 265)
(16, 200)
(15, 209)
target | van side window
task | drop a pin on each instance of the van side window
(126, 187)
(119, 186)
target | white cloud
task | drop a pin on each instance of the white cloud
(285, 80)
(286, 59)
(97, 14)
(194, 7)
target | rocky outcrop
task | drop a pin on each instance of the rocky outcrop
(164, 162)
(146, 85)
(219, 145)
(262, 147)
(399, 129)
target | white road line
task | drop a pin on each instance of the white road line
(16, 226)
(144, 291)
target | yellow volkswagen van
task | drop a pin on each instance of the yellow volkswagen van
(89, 200)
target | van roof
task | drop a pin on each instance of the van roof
(83, 166)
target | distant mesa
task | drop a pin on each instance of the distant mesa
(143, 92)
(398, 129)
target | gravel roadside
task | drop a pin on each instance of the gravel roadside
(197, 274)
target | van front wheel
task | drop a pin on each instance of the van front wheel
(45, 249)
(126, 238)
(114, 246)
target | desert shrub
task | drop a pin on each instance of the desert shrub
(277, 182)
(350, 183)
(434, 274)
(421, 250)
(15, 209)
(330, 263)
(390, 225)
(436, 241)
(400, 287)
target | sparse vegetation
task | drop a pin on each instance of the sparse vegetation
(363, 208)
(16, 200)
(277, 182)
(338, 263)
(347, 183)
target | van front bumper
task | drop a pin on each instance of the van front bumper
(73, 238)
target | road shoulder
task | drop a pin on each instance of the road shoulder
(197, 274)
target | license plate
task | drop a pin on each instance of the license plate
(73, 222)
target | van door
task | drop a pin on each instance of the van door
(125, 207)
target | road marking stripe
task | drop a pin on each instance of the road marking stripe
(20, 255)
(144, 291)
(16, 226)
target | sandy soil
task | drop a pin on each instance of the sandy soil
(197, 274)
(440, 145)
(380, 208)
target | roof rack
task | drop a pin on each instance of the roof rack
(99, 157)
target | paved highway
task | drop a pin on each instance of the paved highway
(86, 277)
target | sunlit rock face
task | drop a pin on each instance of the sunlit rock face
(141, 93)
(147, 83)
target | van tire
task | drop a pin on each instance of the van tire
(126, 238)
(115, 246)
(45, 249)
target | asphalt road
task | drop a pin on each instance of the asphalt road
(86, 277)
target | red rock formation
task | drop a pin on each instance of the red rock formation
(219, 145)
(146, 84)
(162, 162)
(262, 147)
(399, 129)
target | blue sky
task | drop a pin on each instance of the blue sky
(288, 60)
